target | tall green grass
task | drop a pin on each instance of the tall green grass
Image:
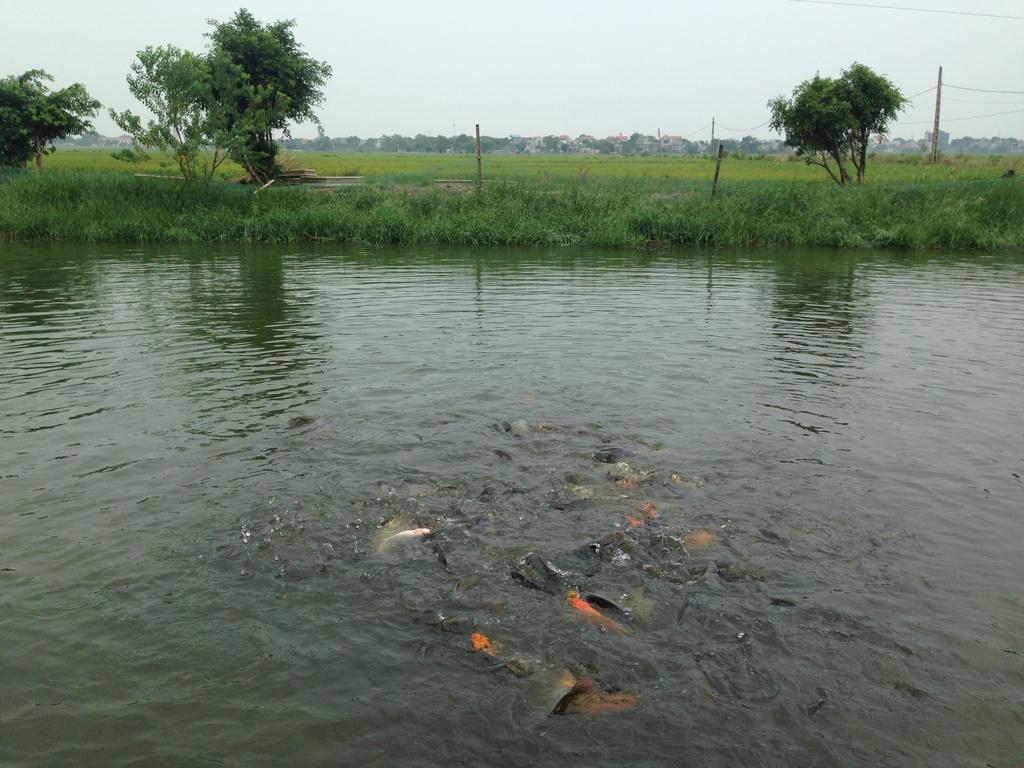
(979, 215)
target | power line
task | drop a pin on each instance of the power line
(956, 119)
(905, 8)
(743, 130)
(922, 93)
(979, 117)
(980, 90)
(972, 101)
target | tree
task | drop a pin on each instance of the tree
(32, 117)
(174, 86)
(816, 122)
(749, 145)
(831, 120)
(322, 142)
(874, 103)
(552, 144)
(262, 79)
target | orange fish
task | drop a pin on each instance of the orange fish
(634, 522)
(600, 702)
(650, 511)
(626, 484)
(594, 616)
(482, 643)
(700, 538)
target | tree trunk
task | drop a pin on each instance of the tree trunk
(824, 164)
(39, 155)
(836, 151)
(863, 162)
(844, 176)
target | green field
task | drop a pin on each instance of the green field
(654, 174)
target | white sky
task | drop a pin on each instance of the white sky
(533, 67)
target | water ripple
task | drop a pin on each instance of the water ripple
(200, 449)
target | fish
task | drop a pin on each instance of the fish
(402, 536)
(442, 556)
(585, 697)
(687, 482)
(594, 616)
(609, 455)
(645, 514)
(597, 601)
(481, 643)
(468, 581)
(701, 538)
(535, 572)
(516, 667)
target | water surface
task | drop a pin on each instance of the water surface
(199, 451)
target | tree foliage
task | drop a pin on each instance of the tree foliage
(32, 117)
(874, 103)
(174, 86)
(830, 121)
(251, 82)
(262, 80)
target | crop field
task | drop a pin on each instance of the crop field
(663, 174)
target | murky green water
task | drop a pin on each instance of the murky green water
(191, 574)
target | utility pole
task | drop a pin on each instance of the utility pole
(718, 167)
(935, 129)
(712, 147)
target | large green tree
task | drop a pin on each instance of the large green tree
(830, 121)
(32, 117)
(262, 80)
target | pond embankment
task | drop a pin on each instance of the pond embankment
(968, 215)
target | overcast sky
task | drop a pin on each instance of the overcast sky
(536, 67)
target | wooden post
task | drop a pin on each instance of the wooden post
(718, 166)
(935, 128)
(479, 163)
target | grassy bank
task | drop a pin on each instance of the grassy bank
(969, 215)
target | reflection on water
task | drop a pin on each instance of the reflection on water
(820, 316)
(792, 479)
(818, 313)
